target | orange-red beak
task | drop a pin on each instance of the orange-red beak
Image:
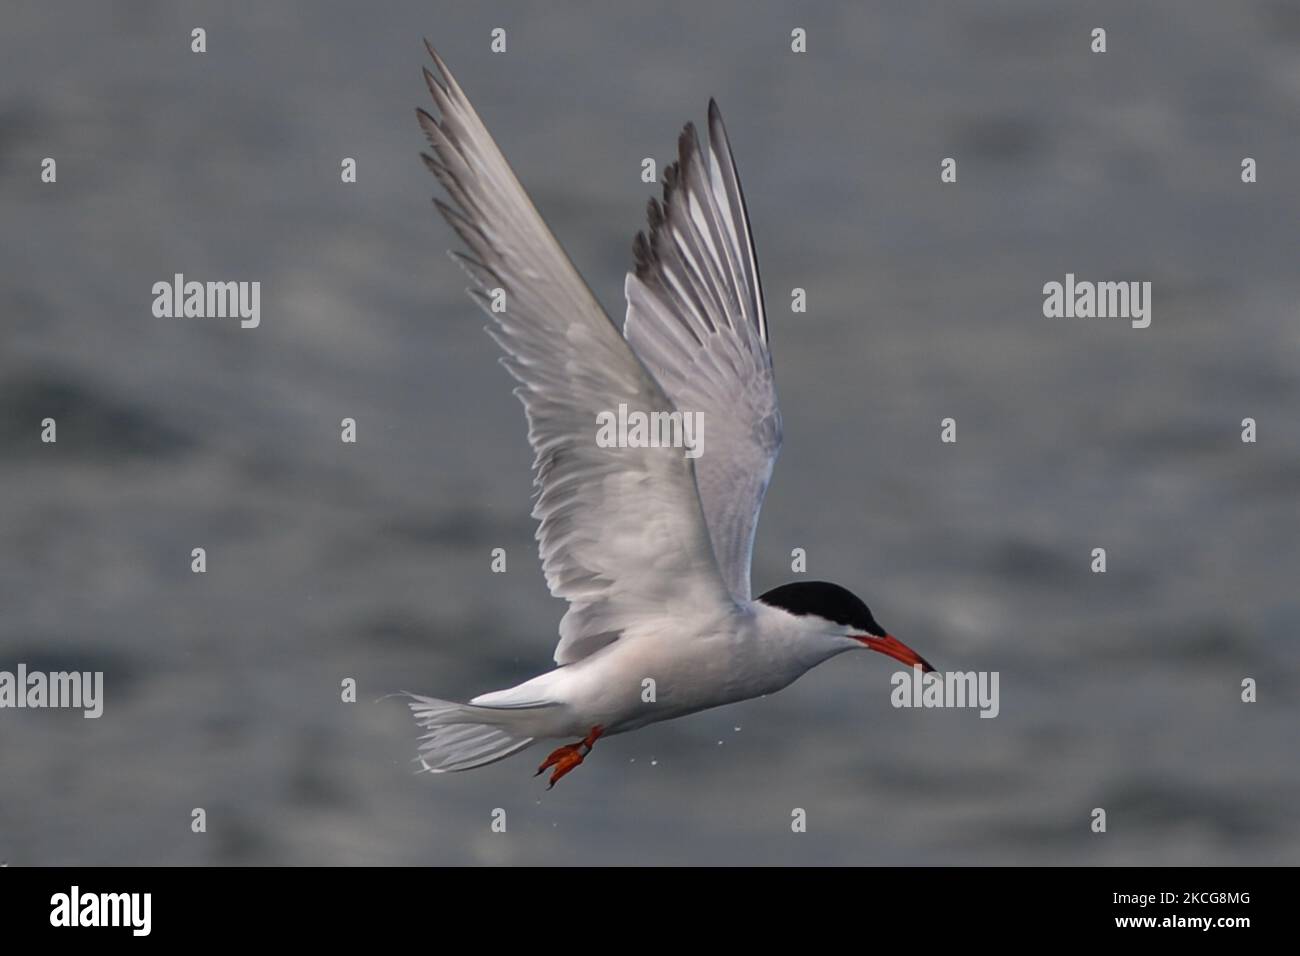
(896, 649)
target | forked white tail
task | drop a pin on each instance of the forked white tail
(465, 736)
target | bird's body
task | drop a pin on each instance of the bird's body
(650, 543)
(685, 665)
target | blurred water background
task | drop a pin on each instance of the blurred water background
(328, 560)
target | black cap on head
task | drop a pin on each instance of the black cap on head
(826, 600)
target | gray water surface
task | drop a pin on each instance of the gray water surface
(326, 560)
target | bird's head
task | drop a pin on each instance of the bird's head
(842, 620)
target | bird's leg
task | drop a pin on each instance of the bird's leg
(565, 758)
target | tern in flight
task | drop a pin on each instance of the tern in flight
(649, 545)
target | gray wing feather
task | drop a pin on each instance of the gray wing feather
(695, 317)
(621, 536)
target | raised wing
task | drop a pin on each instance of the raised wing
(695, 317)
(622, 536)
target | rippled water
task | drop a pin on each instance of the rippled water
(372, 561)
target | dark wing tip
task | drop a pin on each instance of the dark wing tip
(437, 60)
(441, 84)
(687, 145)
(671, 177)
(717, 129)
(688, 152)
(429, 125)
(642, 255)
